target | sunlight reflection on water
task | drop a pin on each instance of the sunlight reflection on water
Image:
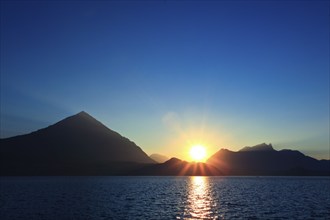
(200, 204)
(138, 198)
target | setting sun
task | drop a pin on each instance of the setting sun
(198, 153)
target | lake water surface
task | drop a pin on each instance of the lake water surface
(165, 198)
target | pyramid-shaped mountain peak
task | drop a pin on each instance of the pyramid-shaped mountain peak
(78, 144)
(84, 114)
(80, 121)
(81, 115)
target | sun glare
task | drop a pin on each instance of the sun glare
(198, 153)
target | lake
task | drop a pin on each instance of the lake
(164, 198)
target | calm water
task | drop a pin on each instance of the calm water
(165, 198)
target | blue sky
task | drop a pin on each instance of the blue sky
(170, 74)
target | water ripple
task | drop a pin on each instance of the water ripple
(164, 198)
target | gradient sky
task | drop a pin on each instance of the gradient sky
(170, 74)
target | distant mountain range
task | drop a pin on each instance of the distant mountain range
(81, 145)
(262, 159)
(177, 167)
(159, 158)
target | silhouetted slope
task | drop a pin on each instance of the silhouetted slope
(159, 158)
(177, 167)
(259, 147)
(76, 145)
(264, 160)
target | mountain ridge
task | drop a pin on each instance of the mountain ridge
(263, 159)
(69, 146)
(177, 167)
(158, 158)
(82, 145)
(259, 147)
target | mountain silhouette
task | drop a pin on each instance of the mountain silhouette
(77, 145)
(81, 145)
(159, 158)
(259, 147)
(177, 167)
(262, 159)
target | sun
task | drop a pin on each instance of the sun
(197, 153)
